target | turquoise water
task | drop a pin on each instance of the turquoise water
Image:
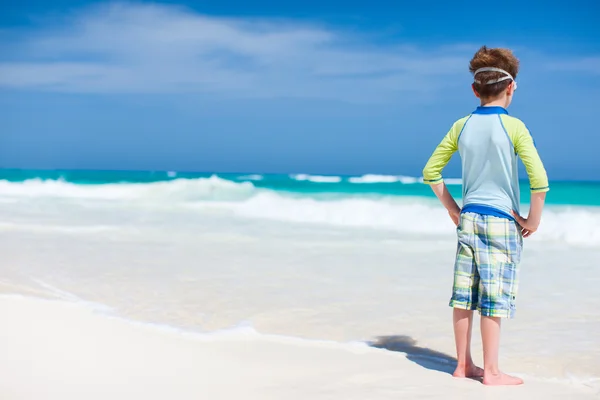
(562, 193)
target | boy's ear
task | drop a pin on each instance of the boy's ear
(510, 90)
(475, 91)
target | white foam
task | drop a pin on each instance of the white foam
(387, 213)
(453, 181)
(407, 180)
(371, 178)
(575, 226)
(316, 178)
(72, 298)
(571, 225)
(213, 188)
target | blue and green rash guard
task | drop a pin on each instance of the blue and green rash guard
(489, 142)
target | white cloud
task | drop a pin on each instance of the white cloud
(156, 48)
(588, 65)
(134, 48)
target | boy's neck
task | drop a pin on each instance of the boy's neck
(501, 102)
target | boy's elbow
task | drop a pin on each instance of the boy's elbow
(539, 185)
(432, 173)
(538, 177)
(432, 178)
(425, 173)
(428, 174)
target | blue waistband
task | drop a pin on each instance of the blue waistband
(486, 210)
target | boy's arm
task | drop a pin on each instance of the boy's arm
(432, 173)
(530, 224)
(538, 180)
(525, 148)
(442, 193)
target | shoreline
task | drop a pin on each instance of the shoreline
(54, 349)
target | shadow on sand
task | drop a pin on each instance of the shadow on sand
(426, 358)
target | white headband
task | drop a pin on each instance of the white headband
(492, 69)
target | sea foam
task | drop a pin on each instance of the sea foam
(370, 178)
(316, 178)
(417, 215)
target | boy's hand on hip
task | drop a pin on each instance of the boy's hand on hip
(527, 227)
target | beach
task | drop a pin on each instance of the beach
(212, 288)
(53, 350)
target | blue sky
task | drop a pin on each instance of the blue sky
(340, 87)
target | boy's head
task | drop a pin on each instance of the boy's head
(495, 71)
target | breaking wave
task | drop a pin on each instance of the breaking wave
(317, 178)
(370, 178)
(411, 215)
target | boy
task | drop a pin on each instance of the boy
(490, 229)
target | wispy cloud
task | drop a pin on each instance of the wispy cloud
(589, 65)
(134, 48)
(157, 48)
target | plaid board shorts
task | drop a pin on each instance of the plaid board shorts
(486, 268)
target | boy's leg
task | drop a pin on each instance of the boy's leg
(498, 255)
(463, 328)
(490, 335)
(465, 298)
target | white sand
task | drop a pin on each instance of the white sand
(56, 350)
(208, 266)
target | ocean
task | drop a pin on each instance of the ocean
(397, 203)
(325, 187)
(342, 259)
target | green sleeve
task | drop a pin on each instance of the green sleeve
(525, 149)
(432, 173)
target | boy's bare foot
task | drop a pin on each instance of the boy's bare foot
(470, 371)
(501, 379)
